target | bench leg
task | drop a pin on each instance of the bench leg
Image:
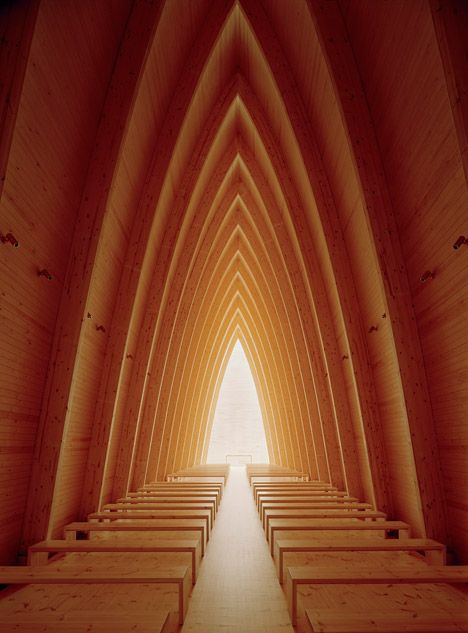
(436, 557)
(38, 558)
(184, 593)
(291, 597)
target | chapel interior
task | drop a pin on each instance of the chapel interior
(178, 177)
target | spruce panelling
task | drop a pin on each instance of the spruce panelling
(56, 120)
(423, 167)
(59, 419)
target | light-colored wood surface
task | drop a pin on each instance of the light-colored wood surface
(435, 552)
(50, 574)
(98, 623)
(38, 554)
(277, 526)
(117, 512)
(392, 574)
(148, 525)
(387, 622)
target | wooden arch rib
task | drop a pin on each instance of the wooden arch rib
(191, 232)
(172, 247)
(241, 139)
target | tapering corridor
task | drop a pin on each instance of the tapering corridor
(237, 590)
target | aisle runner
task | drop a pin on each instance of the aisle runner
(237, 590)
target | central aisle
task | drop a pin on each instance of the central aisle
(237, 590)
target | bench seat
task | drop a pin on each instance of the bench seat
(95, 621)
(198, 526)
(269, 512)
(435, 552)
(50, 574)
(38, 554)
(391, 621)
(308, 502)
(345, 574)
(313, 513)
(289, 525)
(111, 512)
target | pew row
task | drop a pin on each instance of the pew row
(50, 574)
(361, 515)
(290, 511)
(397, 528)
(348, 575)
(73, 530)
(434, 552)
(331, 621)
(39, 553)
(113, 511)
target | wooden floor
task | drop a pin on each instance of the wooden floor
(237, 588)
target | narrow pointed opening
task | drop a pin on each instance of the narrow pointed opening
(238, 432)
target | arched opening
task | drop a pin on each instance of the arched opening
(238, 432)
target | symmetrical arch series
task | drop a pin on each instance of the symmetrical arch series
(243, 186)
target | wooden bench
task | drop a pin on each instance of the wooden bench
(169, 494)
(281, 512)
(205, 470)
(38, 554)
(113, 511)
(97, 622)
(195, 502)
(308, 502)
(270, 470)
(400, 528)
(346, 575)
(362, 515)
(334, 621)
(117, 514)
(366, 516)
(165, 485)
(72, 530)
(50, 574)
(285, 488)
(294, 497)
(434, 552)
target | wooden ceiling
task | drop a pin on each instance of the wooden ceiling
(290, 174)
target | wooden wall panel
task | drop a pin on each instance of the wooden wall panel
(421, 156)
(55, 126)
(71, 97)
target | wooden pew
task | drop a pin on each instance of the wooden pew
(101, 622)
(313, 513)
(115, 512)
(165, 485)
(435, 553)
(307, 502)
(195, 502)
(72, 530)
(296, 495)
(255, 471)
(330, 621)
(50, 574)
(203, 470)
(281, 512)
(400, 528)
(286, 487)
(38, 554)
(293, 491)
(348, 575)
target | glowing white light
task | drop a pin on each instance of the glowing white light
(238, 428)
